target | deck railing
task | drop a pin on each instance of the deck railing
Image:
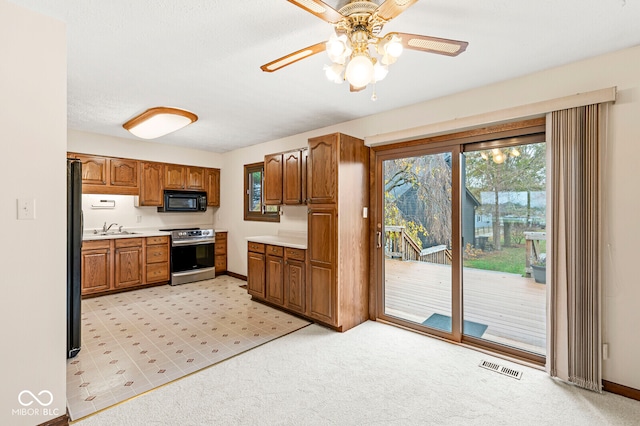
(399, 245)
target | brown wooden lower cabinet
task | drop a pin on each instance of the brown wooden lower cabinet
(277, 275)
(126, 263)
(96, 266)
(157, 259)
(256, 270)
(220, 261)
(294, 285)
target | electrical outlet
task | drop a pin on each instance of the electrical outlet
(138, 219)
(26, 209)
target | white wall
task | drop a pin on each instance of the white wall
(33, 118)
(621, 177)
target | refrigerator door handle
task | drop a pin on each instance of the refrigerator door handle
(81, 227)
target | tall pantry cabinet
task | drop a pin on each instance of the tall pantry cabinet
(338, 237)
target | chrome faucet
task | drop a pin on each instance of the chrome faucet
(105, 228)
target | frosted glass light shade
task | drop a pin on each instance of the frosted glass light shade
(334, 72)
(359, 71)
(380, 72)
(159, 121)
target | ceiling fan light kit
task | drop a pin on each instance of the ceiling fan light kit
(357, 26)
(159, 121)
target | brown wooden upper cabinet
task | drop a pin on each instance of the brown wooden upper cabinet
(292, 177)
(147, 179)
(285, 178)
(322, 169)
(151, 184)
(106, 175)
(177, 176)
(272, 179)
(174, 176)
(195, 178)
(212, 184)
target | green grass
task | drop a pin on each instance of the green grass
(509, 259)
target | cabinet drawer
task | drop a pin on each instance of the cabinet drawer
(157, 240)
(296, 254)
(221, 248)
(275, 250)
(256, 247)
(157, 254)
(96, 244)
(221, 236)
(157, 272)
(128, 242)
(221, 264)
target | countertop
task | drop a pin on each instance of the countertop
(90, 236)
(285, 239)
(135, 233)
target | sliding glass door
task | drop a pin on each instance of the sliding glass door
(418, 238)
(504, 244)
(460, 238)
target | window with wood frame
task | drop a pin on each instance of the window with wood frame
(254, 208)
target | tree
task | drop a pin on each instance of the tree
(513, 169)
(418, 197)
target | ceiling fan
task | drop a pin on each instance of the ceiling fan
(357, 48)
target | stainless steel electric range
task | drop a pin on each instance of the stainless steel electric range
(192, 255)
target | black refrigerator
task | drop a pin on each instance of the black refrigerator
(74, 247)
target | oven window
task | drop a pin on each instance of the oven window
(188, 258)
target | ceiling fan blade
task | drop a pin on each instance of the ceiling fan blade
(392, 8)
(320, 9)
(353, 88)
(441, 46)
(293, 57)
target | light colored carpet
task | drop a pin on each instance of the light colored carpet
(374, 374)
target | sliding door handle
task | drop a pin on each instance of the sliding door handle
(379, 239)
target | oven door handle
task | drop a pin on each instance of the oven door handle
(192, 243)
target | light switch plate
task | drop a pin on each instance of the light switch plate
(26, 209)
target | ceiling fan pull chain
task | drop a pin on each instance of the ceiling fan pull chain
(374, 97)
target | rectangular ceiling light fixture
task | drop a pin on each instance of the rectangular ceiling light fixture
(159, 121)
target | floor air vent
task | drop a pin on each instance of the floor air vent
(501, 369)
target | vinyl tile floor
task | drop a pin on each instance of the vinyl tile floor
(135, 341)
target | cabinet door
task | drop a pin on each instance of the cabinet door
(275, 280)
(195, 178)
(322, 170)
(273, 179)
(174, 176)
(151, 184)
(212, 184)
(294, 285)
(292, 178)
(96, 275)
(128, 266)
(322, 286)
(123, 172)
(256, 274)
(94, 170)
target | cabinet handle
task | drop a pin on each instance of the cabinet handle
(379, 235)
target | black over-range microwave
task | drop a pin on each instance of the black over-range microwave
(184, 201)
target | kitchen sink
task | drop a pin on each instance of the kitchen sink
(117, 233)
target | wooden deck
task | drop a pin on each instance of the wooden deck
(513, 307)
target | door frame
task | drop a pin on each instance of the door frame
(519, 131)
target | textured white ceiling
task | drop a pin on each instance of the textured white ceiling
(125, 56)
